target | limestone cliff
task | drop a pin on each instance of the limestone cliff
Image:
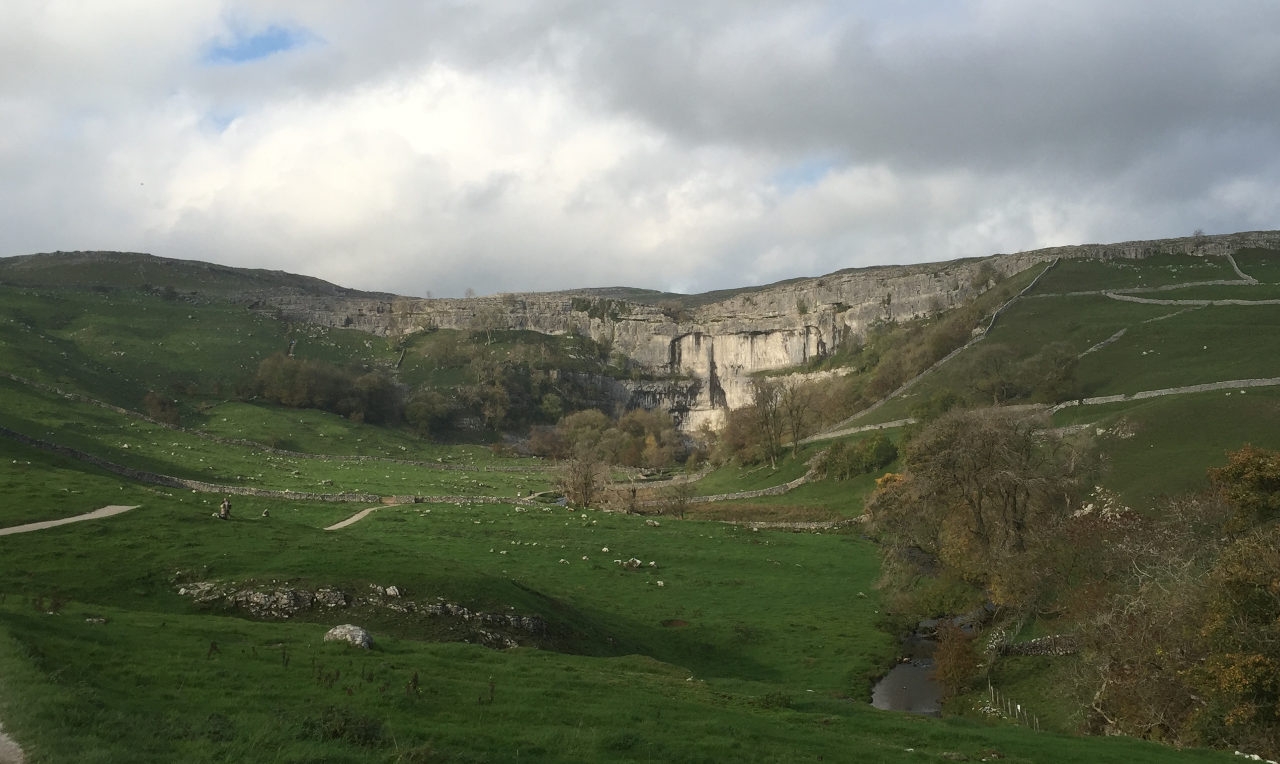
(714, 347)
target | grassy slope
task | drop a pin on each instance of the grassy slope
(1162, 346)
(146, 446)
(770, 616)
(1164, 445)
(118, 345)
(1160, 270)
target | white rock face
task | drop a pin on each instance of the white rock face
(350, 634)
(716, 346)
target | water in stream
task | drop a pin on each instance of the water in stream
(910, 686)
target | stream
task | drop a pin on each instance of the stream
(910, 686)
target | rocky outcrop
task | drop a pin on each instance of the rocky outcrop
(709, 350)
(701, 349)
(280, 602)
(702, 355)
(351, 634)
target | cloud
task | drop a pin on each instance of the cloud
(436, 147)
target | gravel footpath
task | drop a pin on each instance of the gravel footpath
(94, 515)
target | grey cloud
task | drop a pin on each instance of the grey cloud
(744, 141)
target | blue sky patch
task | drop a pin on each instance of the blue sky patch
(803, 174)
(244, 47)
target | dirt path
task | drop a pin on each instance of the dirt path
(10, 753)
(357, 517)
(94, 515)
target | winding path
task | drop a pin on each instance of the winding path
(10, 751)
(114, 509)
(357, 517)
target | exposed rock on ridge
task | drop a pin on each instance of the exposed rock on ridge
(714, 347)
(707, 351)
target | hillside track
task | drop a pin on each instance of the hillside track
(357, 517)
(10, 751)
(108, 511)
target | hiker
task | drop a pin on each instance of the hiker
(224, 512)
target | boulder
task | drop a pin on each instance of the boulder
(351, 634)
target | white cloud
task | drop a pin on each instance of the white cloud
(558, 144)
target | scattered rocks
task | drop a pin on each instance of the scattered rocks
(282, 602)
(525, 623)
(350, 634)
(1054, 644)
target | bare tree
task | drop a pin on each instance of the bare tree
(488, 319)
(582, 478)
(796, 402)
(766, 401)
(677, 498)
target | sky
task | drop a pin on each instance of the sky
(429, 148)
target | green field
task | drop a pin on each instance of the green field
(735, 644)
(767, 649)
(1085, 275)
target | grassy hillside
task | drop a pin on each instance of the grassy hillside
(756, 644)
(736, 643)
(1123, 348)
(134, 270)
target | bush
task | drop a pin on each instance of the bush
(843, 461)
(956, 659)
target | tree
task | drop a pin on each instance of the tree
(551, 407)
(796, 402)
(1239, 679)
(582, 478)
(1050, 375)
(161, 409)
(995, 375)
(489, 318)
(955, 659)
(582, 429)
(1250, 482)
(766, 404)
(983, 493)
(428, 411)
(843, 461)
(676, 499)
